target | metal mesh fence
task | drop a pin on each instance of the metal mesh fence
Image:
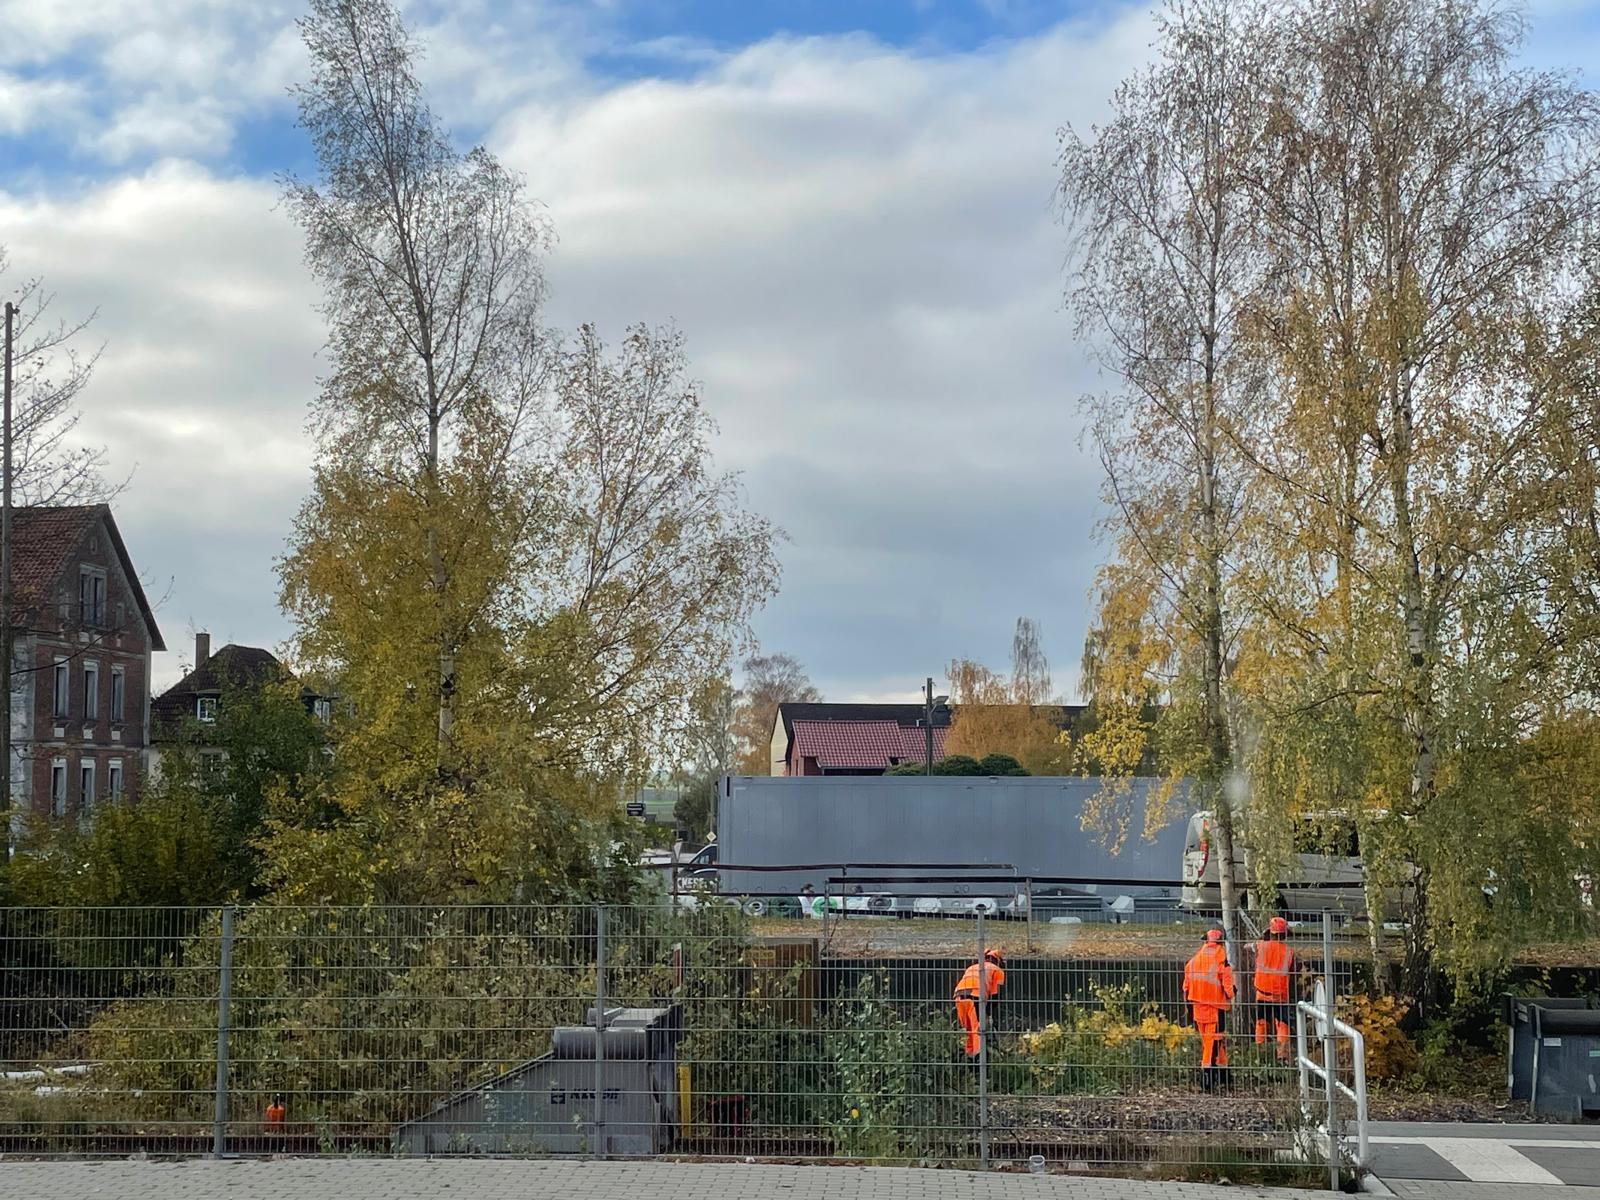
(663, 1029)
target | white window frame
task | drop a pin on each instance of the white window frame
(119, 694)
(205, 709)
(91, 690)
(322, 709)
(114, 780)
(61, 702)
(85, 784)
(58, 794)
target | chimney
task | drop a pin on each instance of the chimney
(202, 649)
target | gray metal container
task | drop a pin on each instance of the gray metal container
(1566, 1063)
(547, 1105)
(1521, 1040)
(1022, 826)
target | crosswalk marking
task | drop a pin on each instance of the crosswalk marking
(1529, 1143)
(1484, 1161)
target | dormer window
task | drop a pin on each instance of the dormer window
(205, 708)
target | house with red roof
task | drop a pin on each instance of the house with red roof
(853, 739)
(823, 738)
(83, 634)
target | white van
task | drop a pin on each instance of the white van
(1324, 873)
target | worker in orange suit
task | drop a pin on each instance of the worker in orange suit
(1275, 968)
(981, 978)
(1208, 987)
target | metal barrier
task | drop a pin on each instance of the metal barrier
(1331, 1141)
(274, 1029)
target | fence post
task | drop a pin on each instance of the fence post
(219, 1129)
(1329, 1059)
(1028, 897)
(983, 1050)
(600, 1031)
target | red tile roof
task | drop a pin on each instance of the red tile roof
(43, 542)
(858, 745)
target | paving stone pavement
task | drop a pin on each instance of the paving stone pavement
(1426, 1189)
(428, 1179)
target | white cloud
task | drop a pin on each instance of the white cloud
(155, 77)
(27, 104)
(860, 246)
(210, 359)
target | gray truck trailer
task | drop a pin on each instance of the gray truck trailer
(980, 838)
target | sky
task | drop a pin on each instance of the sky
(845, 206)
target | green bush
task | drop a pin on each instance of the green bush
(1001, 764)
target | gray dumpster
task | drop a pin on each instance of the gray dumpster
(547, 1105)
(1521, 1039)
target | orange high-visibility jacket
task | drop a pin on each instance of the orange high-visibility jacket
(1274, 966)
(993, 977)
(1207, 977)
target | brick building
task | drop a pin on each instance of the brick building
(80, 684)
(187, 712)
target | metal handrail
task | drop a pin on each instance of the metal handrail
(1357, 1091)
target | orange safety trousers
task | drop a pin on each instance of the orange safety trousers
(1279, 1023)
(967, 1015)
(1213, 1036)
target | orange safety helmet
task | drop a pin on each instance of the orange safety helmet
(994, 956)
(1213, 935)
(1278, 925)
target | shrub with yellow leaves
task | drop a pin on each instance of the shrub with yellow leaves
(1095, 1049)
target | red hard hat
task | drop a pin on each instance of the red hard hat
(1213, 935)
(1278, 925)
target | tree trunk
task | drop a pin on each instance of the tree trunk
(1218, 759)
(447, 641)
(1417, 716)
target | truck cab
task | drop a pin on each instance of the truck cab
(1325, 871)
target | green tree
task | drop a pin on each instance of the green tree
(1167, 255)
(1001, 764)
(517, 562)
(1426, 200)
(167, 850)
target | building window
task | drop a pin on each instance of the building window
(211, 764)
(58, 786)
(63, 708)
(114, 779)
(92, 597)
(117, 684)
(323, 710)
(206, 709)
(91, 691)
(86, 785)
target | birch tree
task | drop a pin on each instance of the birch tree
(431, 261)
(518, 563)
(1426, 201)
(1167, 261)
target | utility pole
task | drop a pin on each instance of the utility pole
(5, 584)
(927, 725)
